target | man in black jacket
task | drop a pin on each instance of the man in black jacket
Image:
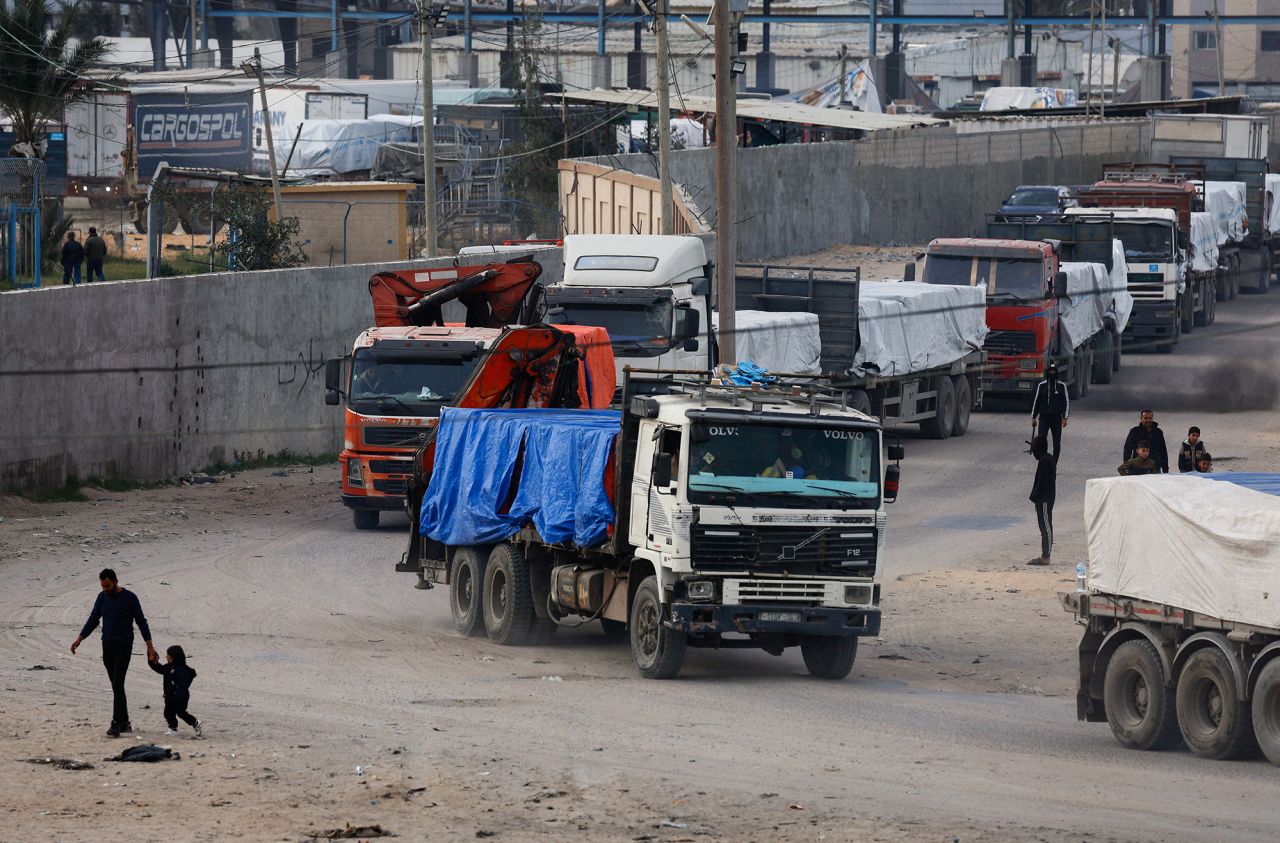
(1050, 408)
(72, 257)
(118, 609)
(1147, 431)
(1043, 492)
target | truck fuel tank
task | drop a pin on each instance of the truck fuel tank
(578, 590)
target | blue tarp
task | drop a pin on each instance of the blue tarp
(560, 488)
(1259, 481)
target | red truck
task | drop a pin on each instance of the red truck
(1020, 264)
(402, 371)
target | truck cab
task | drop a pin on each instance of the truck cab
(1019, 277)
(392, 390)
(652, 294)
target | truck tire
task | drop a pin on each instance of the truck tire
(1117, 345)
(939, 425)
(507, 599)
(542, 631)
(1102, 370)
(1138, 701)
(365, 519)
(466, 590)
(1075, 389)
(1213, 306)
(1266, 711)
(1214, 721)
(964, 405)
(657, 649)
(1086, 370)
(829, 656)
(1186, 319)
(1203, 318)
(613, 630)
(859, 400)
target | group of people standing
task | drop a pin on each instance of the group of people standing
(1145, 451)
(92, 254)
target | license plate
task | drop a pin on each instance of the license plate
(780, 617)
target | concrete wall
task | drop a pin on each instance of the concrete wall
(894, 187)
(150, 379)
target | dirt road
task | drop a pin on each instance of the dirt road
(316, 659)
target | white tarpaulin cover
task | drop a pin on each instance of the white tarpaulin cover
(1273, 203)
(1225, 202)
(1080, 313)
(341, 146)
(909, 327)
(1006, 99)
(1120, 305)
(1205, 545)
(1204, 242)
(778, 342)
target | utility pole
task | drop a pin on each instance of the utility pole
(1217, 47)
(844, 74)
(726, 180)
(254, 68)
(1088, 75)
(1115, 70)
(426, 22)
(1102, 40)
(664, 117)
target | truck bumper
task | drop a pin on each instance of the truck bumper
(1010, 386)
(703, 618)
(1153, 321)
(383, 502)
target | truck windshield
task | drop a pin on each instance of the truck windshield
(1021, 278)
(635, 329)
(406, 386)
(1037, 196)
(1146, 241)
(779, 465)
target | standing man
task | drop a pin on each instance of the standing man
(1050, 408)
(72, 257)
(1146, 430)
(1043, 492)
(95, 253)
(118, 609)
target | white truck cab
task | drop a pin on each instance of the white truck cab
(651, 292)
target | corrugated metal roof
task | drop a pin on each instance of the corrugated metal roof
(783, 112)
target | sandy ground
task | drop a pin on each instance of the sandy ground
(316, 659)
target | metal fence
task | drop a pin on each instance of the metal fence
(22, 222)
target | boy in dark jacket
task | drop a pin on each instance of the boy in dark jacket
(1043, 492)
(1192, 449)
(1140, 464)
(177, 688)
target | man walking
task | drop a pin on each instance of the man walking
(118, 609)
(1043, 492)
(1146, 430)
(1050, 408)
(95, 253)
(72, 257)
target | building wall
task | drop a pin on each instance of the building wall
(1244, 62)
(150, 379)
(903, 187)
(350, 223)
(605, 200)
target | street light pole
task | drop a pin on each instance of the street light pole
(426, 22)
(664, 118)
(254, 68)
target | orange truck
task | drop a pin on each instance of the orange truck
(413, 362)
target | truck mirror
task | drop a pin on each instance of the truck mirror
(909, 272)
(333, 374)
(688, 326)
(332, 398)
(701, 286)
(691, 344)
(1059, 285)
(896, 452)
(892, 475)
(662, 470)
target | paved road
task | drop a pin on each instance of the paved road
(316, 634)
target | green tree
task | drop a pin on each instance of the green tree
(41, 68)
(254, 239)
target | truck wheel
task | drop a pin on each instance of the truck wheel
(964, 405)
(542, 631)
(507, 599)
(939, 426)
(859, 400)
(657, 649)
(1206, 298)
(365, 519)
(1116, 346)
(1215, 722)
(1074, 388)
(1138, 702)
(1266, 711)
(829, 656)
(1102, 370)
(1086, 370)
(466, 586)
(1213, 306)
(613, 630)
(1186, 319)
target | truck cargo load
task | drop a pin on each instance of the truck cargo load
(1206, 543)
(1120, 306)
(1225, 203)
(544, 467)
(1082, 309)
(1204, 242)
(1273, 206)
(778, 341)
(910, 327)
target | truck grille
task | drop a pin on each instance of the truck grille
(404, 467)
(745, 592)
(393, 437)
(1147, 287)
(1010, 342)
(391, 487)
(846, 550)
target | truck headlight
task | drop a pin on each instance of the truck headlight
(857, 595)
(701, 590)
(354, 475)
